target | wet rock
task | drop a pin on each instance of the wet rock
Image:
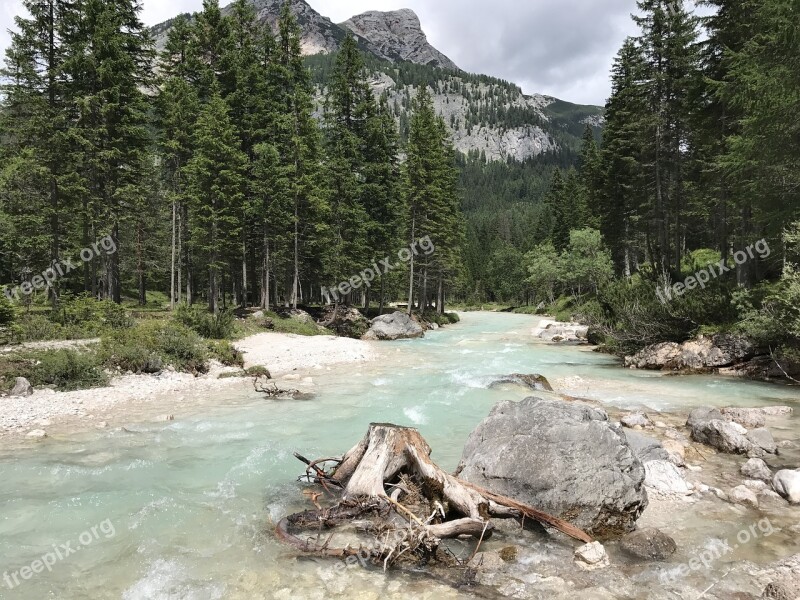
(645, 447)
(743, 495)
(762, 438)
(565, 458)
(749, 418)
(755, 468)
(534, 382)
(664, 478)
(708, 426)
(787, 484)
(767, 499)
(36, 434)
(756, 485)
(395, 326)
(777, 411)
(590, 557)
(22, 387)
(676, 452)
(699, 355)
(649, 544)
(784, 579)
(489, 561)
(636, 420)
(562, 332)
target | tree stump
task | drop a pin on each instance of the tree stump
(390, 478)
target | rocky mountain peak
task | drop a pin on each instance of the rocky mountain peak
(398, 35)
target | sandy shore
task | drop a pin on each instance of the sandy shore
(133, 397)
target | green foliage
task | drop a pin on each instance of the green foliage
(224, 352)
(7, 312)
(220, 326)
(66, 370)
(151, 346)
(89, 314)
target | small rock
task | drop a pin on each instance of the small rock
(490, 561)
(787, 444)
(102, 425)
(649, 544)
(762, 438)
(749, 418)
(787, 484)
(36, 434)
(636, 420)
(292, 377)
(591, 556)
(22, 388)
(167, 418)
(676, 451)
(664, 477)
(743, 495)
(768, 499)
(756, 485)
(755, 468)
(777, 411)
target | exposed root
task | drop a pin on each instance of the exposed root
(406, 505)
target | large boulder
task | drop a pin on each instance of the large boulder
(664, 479)
(645, 447)
(700, 354)
(22, 387)
(649, 544)
(565, 458)
(757, 469)
(345, 321)
(534, 382)
(762, 438)
(787, 484)
(396, 326)
(749, 418)
(708, 426)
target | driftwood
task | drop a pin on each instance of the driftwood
(391, 487)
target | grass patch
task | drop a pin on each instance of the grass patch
(66, 370)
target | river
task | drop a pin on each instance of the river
(185, 509)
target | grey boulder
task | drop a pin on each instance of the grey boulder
(708, 426)
(755, 468)
(787, 484)
(396, 326)
(649, 544)
(645, 447)
(564, 458)
(22, 387)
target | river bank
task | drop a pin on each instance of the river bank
(292, 359)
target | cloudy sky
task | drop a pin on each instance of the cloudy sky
(562, 48)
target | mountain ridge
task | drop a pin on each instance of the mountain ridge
(486, 116)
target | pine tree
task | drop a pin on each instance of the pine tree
(216, 181)
(110, 60)
(36, 176)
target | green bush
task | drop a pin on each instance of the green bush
(67, 370)
(151, 346)
(225, 353)
(90, 316)
(7, 312)
(213, 327)
(36, 328)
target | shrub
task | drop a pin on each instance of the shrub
(85, 313)
(225, 353)
(214, 327)
(67, 370)
(154, 345)
(36, 328)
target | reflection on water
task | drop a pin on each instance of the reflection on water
(193, 501)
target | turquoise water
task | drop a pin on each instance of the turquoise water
(186, 509)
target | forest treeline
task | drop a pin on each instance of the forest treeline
(206, 167)
(699, 160)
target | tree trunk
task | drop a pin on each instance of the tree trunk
(411, 269)
(172, 281)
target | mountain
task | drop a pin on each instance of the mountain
(398, 35)
(488, 117)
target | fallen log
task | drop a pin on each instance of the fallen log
(390, 479)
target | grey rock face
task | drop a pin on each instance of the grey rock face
(787, 484)
(398, 35)
(396, 326)
(665, 479)
(749, 418)
(700, 354)
(755, 468)
(565, 458)
(708, 426)
(762, 438)
(22, 387)
(645, 447)
(636, 420)
(649, 544)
